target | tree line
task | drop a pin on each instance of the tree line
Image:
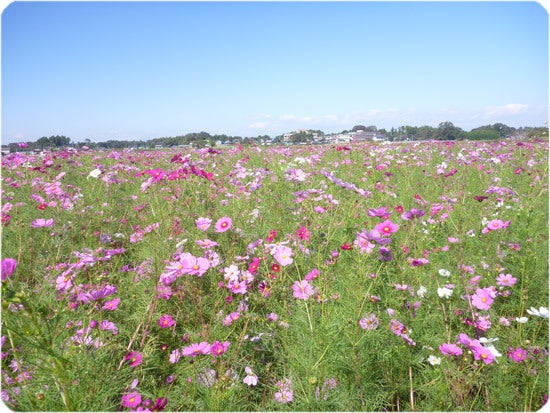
(444, 131)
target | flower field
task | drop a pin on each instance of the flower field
(372, 277)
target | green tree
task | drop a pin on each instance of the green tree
(446, 131)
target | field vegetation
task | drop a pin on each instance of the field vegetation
(368, 277)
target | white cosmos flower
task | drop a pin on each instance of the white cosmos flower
(422, 291)
(444, 292)
(521, 320)
(94, 174)
(433, 360)
(541, 312)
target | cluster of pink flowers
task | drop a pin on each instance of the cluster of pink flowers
(196, 349)
(185, 263)
(400, 330)
(284, 394)
(487, 354)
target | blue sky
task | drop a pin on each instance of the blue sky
(141, 70)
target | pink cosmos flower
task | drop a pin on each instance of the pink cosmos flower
(302, 290)
(8, 267)
(134, 357)
(251, 379)
(131, 400)
(283, 255)
(218, 348)
(518, 354)
(369, 322)
(283, 396)
(196, 349)
(254, 265)
(467, 341)
(107, 325)
(206, 243)
(303, 233)
(483, 298)
(237, 287)
(166, 321)
(230, 318)
(175, 356)
(41, 223)
(223, 224)
(203, 223)
(494, 225)
(111, 305)
(483, 354)
(314, 273)
(506, 280)
(193, 265)
(450, 349)
(386, 228)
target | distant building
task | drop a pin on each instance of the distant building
(367, 136)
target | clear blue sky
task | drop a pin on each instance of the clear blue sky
(141, 70)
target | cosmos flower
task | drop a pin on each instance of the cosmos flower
(94, 173)
(196, 349)
(218, 348)
(434, 360)
(517, 354)
(223, 224)
(131, 400)
(369, 322)
(444, 292)
(134, 358)
(111, 305)
(506, 280)
(283, 255)
(483, 298)
(541, 312)
(203, 223)
(386, 228)
(302, 290)
(251, 379)
(41, 223)
(8, 267)
(166, 321)
(450, 349)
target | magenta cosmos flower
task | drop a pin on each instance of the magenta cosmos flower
(302, 290)
(134, 358)
(483, 298)
(166, 321)
(41, 223)
(223, 224)
(450, 349)
(8, 267)
(131, 400)
(218, 348)
(518, 354)
(386, 228)
(483, 354)
(111, 305)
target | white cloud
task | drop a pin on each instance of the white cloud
(509, 109)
